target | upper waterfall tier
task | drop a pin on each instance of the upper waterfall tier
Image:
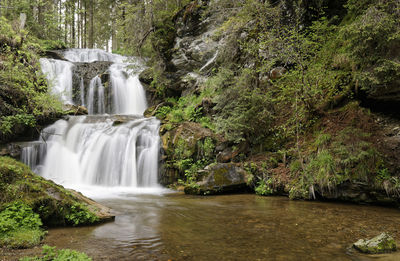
(93, 55)
(101, 81)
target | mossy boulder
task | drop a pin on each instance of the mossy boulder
(219, 179)
(382, 243)
(185, 142)
(55, 205)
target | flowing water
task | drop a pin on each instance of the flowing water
(112, 156)
(119, 149)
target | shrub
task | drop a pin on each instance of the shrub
(50, 253)
(20, 226)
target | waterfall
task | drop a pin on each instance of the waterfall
(127, 95)
(59, 76)
(96, 93)
(117, 150)
(87, 150)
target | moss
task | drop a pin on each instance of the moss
(55, 205)
(220, 178)
(383, 243)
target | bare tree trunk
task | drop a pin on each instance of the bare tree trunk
(78, 23)
(85, 27)
(91, 26)
(59, 18)
(114, 28)
(66, 24)
(73, 24)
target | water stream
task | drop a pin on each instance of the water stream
(114, 146)
(112, 156)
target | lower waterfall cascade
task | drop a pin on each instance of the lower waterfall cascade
(113, 146)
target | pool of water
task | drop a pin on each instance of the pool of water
(172, 226)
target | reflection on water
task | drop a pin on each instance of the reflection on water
(233, 227)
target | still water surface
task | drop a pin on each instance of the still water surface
(173, 226)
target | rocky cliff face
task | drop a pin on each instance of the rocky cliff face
(200, 48)
(194, 53)
(197, 48)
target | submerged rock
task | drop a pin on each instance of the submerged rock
(220, 178)
(383, 243)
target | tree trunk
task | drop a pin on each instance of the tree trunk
(73, 24)
(66, 25)
(91, 26)
(85, 26)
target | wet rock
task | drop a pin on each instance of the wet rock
(55, 54)
(382, 243)
(11, 150)
(218, 179)
(120, 120)
(277, 73)
(84, 73)
(75, 109)
(190, 136)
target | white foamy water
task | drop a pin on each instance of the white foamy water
(86, 150)
(93, 55)
(127, 94)
(99, 155)
(59, 76)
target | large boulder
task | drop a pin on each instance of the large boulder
(84, 73)
(382, 243)
(218, 179)
(55, 205)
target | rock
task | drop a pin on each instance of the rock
(229, 154)
(55, 205)
(146, 76)
(277, 73)
(75, 110)
(84, 73)
(12, 150)
(220, 178)
(382, 243)
(118, 122)
(187, 135)
(55, 54)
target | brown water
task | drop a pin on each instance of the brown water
(232, 227)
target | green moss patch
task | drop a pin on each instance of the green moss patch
(55, 205)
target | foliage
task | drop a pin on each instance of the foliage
(80, 215)
(190, 160)
(345, 157)
(371, 41)
(242, 109)
(24, 99)
(19, 226)
(51, 253)
(263, 188)
(187, 108)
